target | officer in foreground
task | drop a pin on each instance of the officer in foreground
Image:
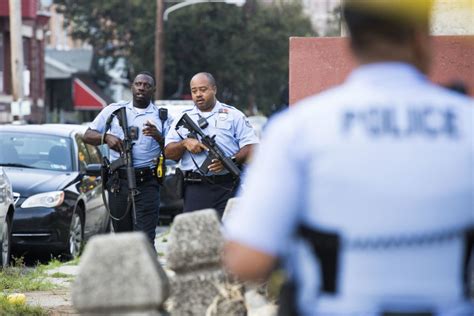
(372, 205)
(145, 129)
(207, 183)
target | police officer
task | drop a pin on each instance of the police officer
(371, 208)
(207, 183)
(143, 119)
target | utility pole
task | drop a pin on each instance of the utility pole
(16, 46)
(159, 50)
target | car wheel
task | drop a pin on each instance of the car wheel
(6, 243)
(76, 236)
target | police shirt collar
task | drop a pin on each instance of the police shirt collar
(214, 110)
(386, 72)
(148, 109)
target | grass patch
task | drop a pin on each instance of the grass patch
(19, 278)
(60, 275)
(10, 309)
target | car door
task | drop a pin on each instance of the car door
(90, 187)
(95, 157)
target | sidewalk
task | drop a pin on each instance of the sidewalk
(58, 302)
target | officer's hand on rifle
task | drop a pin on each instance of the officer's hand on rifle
(114, 142)
(193, 145)
(216, 166)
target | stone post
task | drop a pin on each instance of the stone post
(120, 274)
(200, 286)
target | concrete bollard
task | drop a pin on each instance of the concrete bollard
(194, 253)
(120, 274)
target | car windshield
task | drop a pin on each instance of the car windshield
(36, 151)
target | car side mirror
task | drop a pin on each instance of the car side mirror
(93, 169)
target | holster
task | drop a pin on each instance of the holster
(105, 170)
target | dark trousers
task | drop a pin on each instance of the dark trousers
(147, 203)
(198, 196)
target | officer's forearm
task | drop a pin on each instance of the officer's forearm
(92, 137)
(175, 150)
(243, 154)
(246, 263)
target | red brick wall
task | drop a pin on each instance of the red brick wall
(29, 8)
(319, 63)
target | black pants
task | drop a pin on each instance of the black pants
(202, 195)
(147, 204)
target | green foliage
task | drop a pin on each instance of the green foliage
(245, 48)
(10, 309)
(23, 279)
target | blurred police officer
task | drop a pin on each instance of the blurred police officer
(143, 117)
(372, 204)
(233, 133)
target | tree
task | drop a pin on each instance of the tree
(245, 48)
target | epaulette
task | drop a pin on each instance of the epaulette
(119, 104)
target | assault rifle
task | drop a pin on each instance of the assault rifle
(215, 152)
(126, 159)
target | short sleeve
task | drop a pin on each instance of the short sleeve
(98, 123)
(172, 135)
(244, 132)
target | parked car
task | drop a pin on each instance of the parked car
(6, 215)
(58, 206)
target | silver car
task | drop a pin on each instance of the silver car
(6, 216)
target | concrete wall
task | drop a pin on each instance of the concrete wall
(453, 17)
(320, 63)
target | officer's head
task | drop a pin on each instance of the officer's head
(143, 88)
(203, 91)
(389, 30)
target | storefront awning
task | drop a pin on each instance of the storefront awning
(85, 98)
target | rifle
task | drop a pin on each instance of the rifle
(126, 158)
(214, 150)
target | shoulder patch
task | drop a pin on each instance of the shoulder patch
(229, 106)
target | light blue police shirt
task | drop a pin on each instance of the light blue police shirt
(145, 149)
(229, 125)
(385, 156)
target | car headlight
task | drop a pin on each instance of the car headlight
(48, 199)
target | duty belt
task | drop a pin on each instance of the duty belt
(141, 174)
(327, 245)
(195, 177)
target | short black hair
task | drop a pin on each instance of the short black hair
(147, 73)
(367, 25)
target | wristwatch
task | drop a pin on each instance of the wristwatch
(234, 160)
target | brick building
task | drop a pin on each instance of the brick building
(33, 32)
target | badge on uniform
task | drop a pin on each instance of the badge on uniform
(222, 114)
